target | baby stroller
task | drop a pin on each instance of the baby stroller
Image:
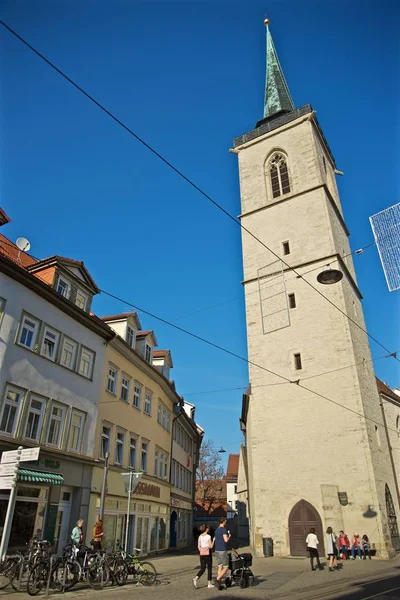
(239, 566)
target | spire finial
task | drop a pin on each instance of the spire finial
(277, 95)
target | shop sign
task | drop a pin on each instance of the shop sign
(147, 489)
(26, 455)
(52, 464)
(180, 504)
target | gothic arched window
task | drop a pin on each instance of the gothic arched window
(392, 520)
(279, 175)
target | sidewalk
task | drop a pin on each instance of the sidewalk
(277, 578)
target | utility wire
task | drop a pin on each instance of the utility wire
(185, 178)
(283, 382)
(357, 252)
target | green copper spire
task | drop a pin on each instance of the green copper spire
(277, 95)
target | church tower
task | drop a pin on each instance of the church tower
(316, 457)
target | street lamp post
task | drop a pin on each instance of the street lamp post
(131, 481)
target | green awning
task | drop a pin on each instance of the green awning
(40, 477)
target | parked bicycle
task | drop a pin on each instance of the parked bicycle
(142, 572)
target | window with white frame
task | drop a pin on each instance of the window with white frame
(148, 352)
(119, 447)
(81, 300)
(28, 332)
(10, 410)
(173, 473)
(132, 453)
(105, 441)
(165, 466)
(63, 287)
(147, 402)
(56, 424)
(50, 343)
(68, 353)
(125, 386)
(35, 418)
(86, 363)
(130, 336)
(156, 453)
(112, 379)
(76, 431)
(143, 458)
(137, 394)
(2, 307)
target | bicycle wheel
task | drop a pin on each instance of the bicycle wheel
(19, 581)
(37, 579)
(98, 575)
(119, 571)
(147, 573)
(65, 574)
(6, 568)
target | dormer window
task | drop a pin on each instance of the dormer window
(63, 287)
(131, 336)
(81, 300)
(148, 353)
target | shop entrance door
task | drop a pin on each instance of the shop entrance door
(63, 526)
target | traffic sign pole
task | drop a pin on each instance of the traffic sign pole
(10, 509)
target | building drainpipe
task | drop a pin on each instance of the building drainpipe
(390, 452)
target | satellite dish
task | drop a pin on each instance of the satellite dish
(23, 244)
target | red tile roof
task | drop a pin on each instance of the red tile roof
(11, 251)
(144, 333)
(118, 317)
(3, 217)
(232, 468)
(46, 262)
(160, 353)
(384, 389)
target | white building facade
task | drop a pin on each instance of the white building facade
(51, 359)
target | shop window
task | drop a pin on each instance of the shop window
(35, 418)
(76, 431)
(10, 410)
(56, 425)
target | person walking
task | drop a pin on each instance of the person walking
(344, 545)
(77, 536)
(366, 546)
(356, 546)
(221, 539)
(312, 543)
(331, 549)
(204, 545)
(97, 535)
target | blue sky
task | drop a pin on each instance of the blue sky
(189, 77)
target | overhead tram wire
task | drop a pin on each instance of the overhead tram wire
(283, 382)
(218, 347)
(225, 350)
(357, 252)
(187, 179)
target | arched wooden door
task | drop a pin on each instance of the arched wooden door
(302, 517)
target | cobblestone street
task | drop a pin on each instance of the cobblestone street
(280, 579)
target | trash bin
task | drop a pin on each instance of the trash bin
(268, 546)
